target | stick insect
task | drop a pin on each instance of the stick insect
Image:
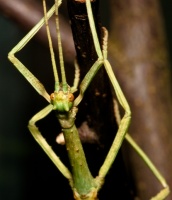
(84, 186)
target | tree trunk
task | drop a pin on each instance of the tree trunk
(139, 55)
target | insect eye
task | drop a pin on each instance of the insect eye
(52, 96)
(71, 97)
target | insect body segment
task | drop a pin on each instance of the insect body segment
(62, 101)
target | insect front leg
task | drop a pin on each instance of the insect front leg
(123, 127)
(124, 124)
(22, 69)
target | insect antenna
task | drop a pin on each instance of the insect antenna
(63, 74)
(51, 48)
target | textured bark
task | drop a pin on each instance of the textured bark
(96, 109)
(98, 98)
(138, 51)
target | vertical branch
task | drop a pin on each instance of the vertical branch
(98, 98)
(96, 110)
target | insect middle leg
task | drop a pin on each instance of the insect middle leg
(42, 142)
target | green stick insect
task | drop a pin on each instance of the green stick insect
(84, 186)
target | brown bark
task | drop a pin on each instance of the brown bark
(98, 94)
(96, 109)
(138, 51)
